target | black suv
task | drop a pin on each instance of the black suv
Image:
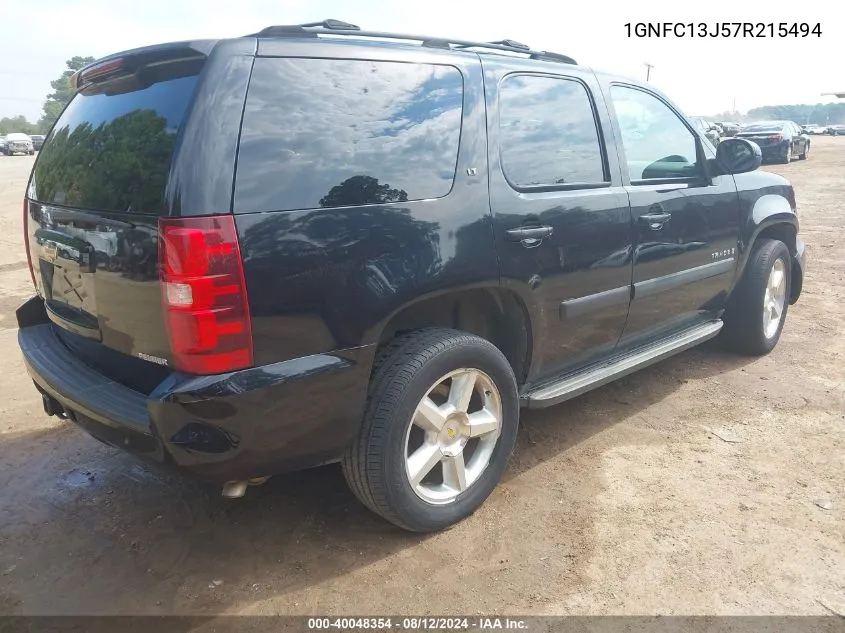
(282, 250)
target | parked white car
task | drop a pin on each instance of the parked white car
(18, 143)
(813, 128)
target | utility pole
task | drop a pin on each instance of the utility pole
(648, 70)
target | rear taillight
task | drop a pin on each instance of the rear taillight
(26, 240)
(776, 137)
(204, 294)
(98, 71)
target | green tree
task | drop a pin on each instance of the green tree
(17, 124)
(62, 92)
(359, 190)
(822, 113)
(117, 166)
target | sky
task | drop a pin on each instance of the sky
(703, 76)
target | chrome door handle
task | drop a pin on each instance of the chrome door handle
(529, 236)
(655, 221)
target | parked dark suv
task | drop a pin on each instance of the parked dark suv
(283, 250)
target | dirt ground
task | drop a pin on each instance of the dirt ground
(623, 501)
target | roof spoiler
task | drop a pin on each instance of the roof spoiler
(129, 62)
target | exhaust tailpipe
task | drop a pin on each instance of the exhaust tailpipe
(237, 489)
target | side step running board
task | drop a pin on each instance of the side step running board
(575, 384)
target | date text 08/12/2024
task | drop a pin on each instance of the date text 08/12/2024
(417, 624)
(723, 29)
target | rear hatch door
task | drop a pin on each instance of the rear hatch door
(96, 193)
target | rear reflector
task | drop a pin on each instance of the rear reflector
(26, 240)
(204, 294)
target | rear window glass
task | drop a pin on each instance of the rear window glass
(112, 152)
(328, 133)
(764, 127)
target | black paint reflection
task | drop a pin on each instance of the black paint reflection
(360, 190)
(335, 266)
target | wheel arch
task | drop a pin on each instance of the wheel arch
(772, 217)
(491, 312)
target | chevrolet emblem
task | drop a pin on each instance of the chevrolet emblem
(50, 252)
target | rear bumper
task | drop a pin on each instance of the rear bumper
(254, 422)
(111, 412)
(775, 152)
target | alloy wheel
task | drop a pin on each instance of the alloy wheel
(774, 299)
(452, 434)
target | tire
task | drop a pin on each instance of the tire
(803, 156)
(745, 330)
(788, 158)
(406, 373)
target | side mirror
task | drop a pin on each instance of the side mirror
(738, 155)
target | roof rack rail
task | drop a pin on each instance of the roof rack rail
(554, 57)
(338, 27)
(304, 29)
(508, 43)
(333, 24)
(513, 44)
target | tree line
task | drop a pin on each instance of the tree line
(821, 114)
(53, 104)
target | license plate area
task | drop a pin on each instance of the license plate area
(66, 269)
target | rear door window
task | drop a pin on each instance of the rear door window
(111, 148)
(321, 133)
(548, 133)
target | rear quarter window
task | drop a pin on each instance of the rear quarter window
(321, 133)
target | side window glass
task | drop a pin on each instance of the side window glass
(656, 142)
(548, 133)
(324, 133)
